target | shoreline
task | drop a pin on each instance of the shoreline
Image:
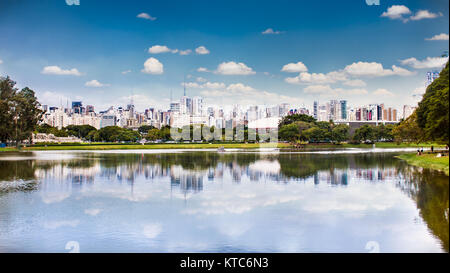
(194, 146)
(429, 161)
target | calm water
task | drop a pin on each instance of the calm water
(229, 202)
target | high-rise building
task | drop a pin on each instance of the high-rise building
(175, 107)
(316, 110)
(197, 106)
(76, 107)
(343, 104)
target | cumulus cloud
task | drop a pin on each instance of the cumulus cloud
(438, 37)
(185, 52)
(317, 78)
(1, 61)
(233, 68)
(271, 31)
(208, 85)
(157, 49)
(329, 91)
(355, 83)
(153, 66)
(95, 83)
(375, 70)
(294, 67)
(200, 79)
(396, 12)
(202, 50)
(56, 70)
(202, 69)
(383, 92)
(146, 16)
(126, 72)
(429, 62)
(400, 11)
(424, 14)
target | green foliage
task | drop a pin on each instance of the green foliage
(365, 133)
(145, 128)
(408, 130)
(433, 110)
(116, 133)
(81, 131)
(296, 117)
(19, 112)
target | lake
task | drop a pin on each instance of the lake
(236, 201)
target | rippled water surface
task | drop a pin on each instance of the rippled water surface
(204, 201)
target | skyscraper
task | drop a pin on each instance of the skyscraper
(315, 109)
(343, 104)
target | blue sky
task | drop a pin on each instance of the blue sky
(96, 51)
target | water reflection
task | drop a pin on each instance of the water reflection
(240, 201)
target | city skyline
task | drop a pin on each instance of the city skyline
(366, 54)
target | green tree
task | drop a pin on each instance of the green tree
(408, 130)
(7, 94)
(153, 134)
(293, 118)
(145, 128)
(433, 110)
(81, 131)
(364, 133)
(340, 133)
(29, 112)
(289, 133)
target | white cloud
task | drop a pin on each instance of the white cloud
(208, 85)
(56, 70)
(317, 78)
(396, 12)
(429, 62)
(92, 212)
(202, 69)
(95, 83)
(294, 67)
(152, 230)
(146, 16)
(271, 31)
(355, 83)
(1, 61)
(375, 70)
(383, 92)
(126, 72)
(202, 50)
(153, 66)
(329, 91)
(232, 68)
(424, 14)
(438, 37)
(157, 49)
(185, 52)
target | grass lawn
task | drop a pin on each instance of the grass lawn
(427, 161)
(114, 146)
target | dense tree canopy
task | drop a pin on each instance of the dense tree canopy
(433, 110)
(19, 112)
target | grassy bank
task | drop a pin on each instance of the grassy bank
(427, 161)
(117, 146)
